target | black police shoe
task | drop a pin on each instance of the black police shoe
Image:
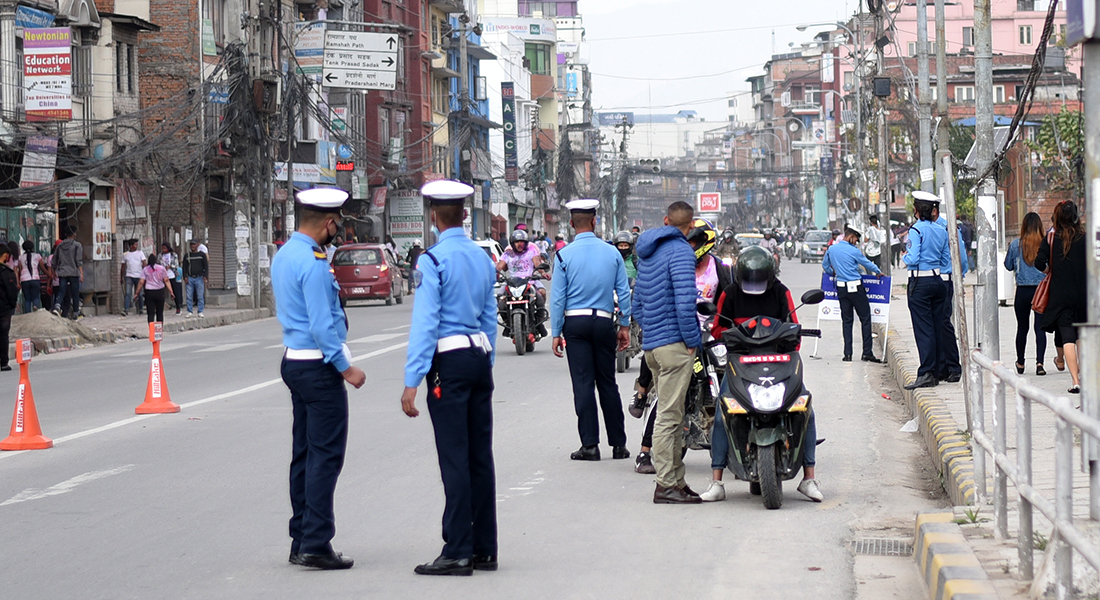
(446, 566)
(620, 452)
(871, 358)
(926, 380)
(847, 358)
(586, 453)
(326, 562)
(484, 562)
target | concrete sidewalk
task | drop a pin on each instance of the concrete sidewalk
(941, 416)
(51, 333)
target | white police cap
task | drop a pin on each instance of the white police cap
(583, 205)
(446, 191)
(322, 199)
(926, 197)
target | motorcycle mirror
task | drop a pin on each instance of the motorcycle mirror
(543, 267)
(813, 297)
(706, 308)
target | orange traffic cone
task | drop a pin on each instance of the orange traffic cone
(26, 433)
(157, 399)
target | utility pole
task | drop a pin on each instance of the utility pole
(924, 106)
(985, 296)
(1089, 345)
(943, 134)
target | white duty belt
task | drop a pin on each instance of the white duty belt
(932, 273)
(460, 342)
(312, 353)
(588, 312)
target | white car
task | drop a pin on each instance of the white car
(492, 248)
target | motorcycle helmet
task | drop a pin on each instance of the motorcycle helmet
(624, 237)
(755, 270)
(417, 242)
(702, 233)
(521, 227)
(518, 235)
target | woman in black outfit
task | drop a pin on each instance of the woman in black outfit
(1067, 304)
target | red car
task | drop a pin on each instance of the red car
(368, 272)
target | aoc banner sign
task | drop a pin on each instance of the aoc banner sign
(878, 295)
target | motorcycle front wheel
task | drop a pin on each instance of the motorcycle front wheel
(519, 338)
(771, 487)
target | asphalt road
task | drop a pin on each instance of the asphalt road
(194, 505)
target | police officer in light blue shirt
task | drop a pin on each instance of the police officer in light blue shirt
(587, 275)
(948, 367)
(926, 253)
(453, 324)
(315, 366)
(843, 260)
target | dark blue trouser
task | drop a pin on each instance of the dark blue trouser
(67, 298)
(590, 349)
(947, 345)
(462, 417)
(320, 436)
(926, 299)
(858, 301)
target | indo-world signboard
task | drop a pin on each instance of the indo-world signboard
(48, 74)
(508, 117)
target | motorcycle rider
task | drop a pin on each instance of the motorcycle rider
(755, 291)
(711, 277)
(625, 243)
(520, 260)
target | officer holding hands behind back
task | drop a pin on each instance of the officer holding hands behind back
(315, 366)
(843, 260)
(926, 253)
(453, 324)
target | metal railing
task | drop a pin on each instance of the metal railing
(1060, 510)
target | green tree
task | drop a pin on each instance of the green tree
(961, 139)
(1060, 144)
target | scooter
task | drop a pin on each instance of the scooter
(767, 406)
(518, 312)
(708, 370)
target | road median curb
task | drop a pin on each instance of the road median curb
(947, 564)
(945, 440)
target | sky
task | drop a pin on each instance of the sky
(662, 57)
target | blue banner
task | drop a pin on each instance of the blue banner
(878, 294)
(29, 18)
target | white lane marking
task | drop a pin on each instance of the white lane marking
(148, 350)
(65, 486)
(398, 327)
(225, 347)
(378, 337)
(525, 488)
(273, 347)
(244, 390)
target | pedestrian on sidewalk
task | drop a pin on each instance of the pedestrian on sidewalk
(665, 297)
(453, 324)
(30, 277)
(133, 261)
(587, 275)
(1021, 259)
(69, 265)
(1068, 302)
(171, 262)
(315, 367)
(926, 252)
(154, 283)
(876, 241)
(196, 267)
(9, 298)
(843, 260)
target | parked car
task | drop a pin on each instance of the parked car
(814, 245)
(492, 248)
(368, 272)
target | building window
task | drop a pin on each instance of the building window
(999, 94)
(215, 11)
(811, 95)
(1025, 5)
(131, 68)
(384, 125)
(82, 71)
(932, 97)
(968, 36)
(1018, 92)
(120, 66)
(1025, 35)
(964, 93)
(538, 57)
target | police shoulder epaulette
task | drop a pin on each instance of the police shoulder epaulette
(319, 255)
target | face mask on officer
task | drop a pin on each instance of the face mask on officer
(330, 234)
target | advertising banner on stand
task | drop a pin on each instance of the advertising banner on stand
(48, 74)
(878, 294)
(39, 160)
(406, 219)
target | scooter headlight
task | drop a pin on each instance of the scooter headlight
(767, 398)
(719, 354)
(728, 261)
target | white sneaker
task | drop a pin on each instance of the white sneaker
(201, 315)
(809, 489)
(714, 493)
(189, 315)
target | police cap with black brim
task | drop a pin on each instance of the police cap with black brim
(583, 206)
(929, 197)
(849, 231)
(446, 192)
(326, 200)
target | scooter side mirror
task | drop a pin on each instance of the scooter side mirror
(813, 297)
(706, 308)
(543, 267)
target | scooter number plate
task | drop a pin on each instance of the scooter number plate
(517, 302)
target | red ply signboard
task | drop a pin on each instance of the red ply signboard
(709, 202)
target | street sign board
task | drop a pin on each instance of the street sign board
(360, 60)
(709, 202)
(1082, 18)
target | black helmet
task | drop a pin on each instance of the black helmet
(518, 235)
(623, 237)
(755, 270)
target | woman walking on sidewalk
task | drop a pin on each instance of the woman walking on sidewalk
(1021, 259)
(171, 262)
(154, 280)
(1067, 304)
(30, 272)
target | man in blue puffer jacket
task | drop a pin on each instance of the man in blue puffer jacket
(664, 305)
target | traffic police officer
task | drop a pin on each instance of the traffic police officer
(843, 260)
(587, 274)
(948, 367)
(926, 253)
(453, 324)
(315, 366)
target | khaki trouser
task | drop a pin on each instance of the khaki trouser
(671, 366)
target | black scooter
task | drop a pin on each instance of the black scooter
(767, 405)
